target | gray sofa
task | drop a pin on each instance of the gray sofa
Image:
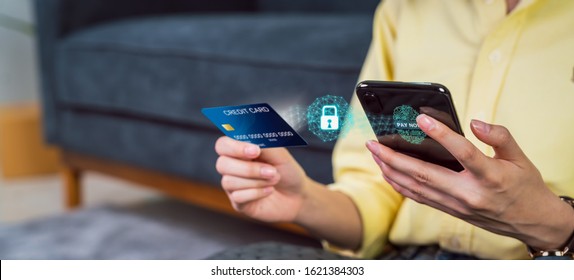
(123, 81)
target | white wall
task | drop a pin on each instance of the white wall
(18, 76)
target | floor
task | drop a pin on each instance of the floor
(32, 198)
(121, 220)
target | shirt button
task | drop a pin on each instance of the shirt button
(495, 56)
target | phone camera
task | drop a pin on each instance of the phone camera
(372, 103)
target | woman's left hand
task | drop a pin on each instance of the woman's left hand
(504, 194)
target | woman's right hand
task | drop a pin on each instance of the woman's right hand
(266, 185)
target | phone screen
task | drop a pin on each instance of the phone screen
(392, 108)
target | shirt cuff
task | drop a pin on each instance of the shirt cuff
(377, 207)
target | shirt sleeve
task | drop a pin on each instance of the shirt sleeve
(355, 172)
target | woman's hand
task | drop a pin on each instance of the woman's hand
(263, 184)
(504, 194)
(270, 186)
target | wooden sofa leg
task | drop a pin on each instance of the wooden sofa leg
(72, 187)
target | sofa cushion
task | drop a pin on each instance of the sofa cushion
(161, 146)
(315, 6)
(169, 68)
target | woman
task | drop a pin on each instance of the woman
(506, 62)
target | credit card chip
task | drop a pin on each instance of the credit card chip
(228, 127)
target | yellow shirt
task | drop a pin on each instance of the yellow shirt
(514, 70)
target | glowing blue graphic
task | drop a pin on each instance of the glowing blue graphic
(335, 107)
(405, 122)
(296, 117)
(382, 124)
(329, 118)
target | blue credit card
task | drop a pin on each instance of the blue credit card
(254, 123)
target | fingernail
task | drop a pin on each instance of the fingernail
(373, 146)
(425, 122)
(480, 126)
(268, 172)
(251, 150)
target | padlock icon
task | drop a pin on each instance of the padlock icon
(329, 118)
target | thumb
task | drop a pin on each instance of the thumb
(499, 138)
(276, 156)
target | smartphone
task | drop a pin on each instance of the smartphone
(392, 108)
